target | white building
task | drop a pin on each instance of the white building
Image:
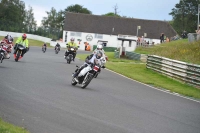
(113, 31)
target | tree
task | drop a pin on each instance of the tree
(29, 20)
(185, 15)
(77, 9)
(111, 14)
(53, 23)
(12, 14)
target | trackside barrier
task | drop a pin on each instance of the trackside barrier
(188, 73)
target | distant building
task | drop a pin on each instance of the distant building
(113, 31)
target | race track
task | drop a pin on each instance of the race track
(36, 93)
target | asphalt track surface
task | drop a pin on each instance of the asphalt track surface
(36, 93)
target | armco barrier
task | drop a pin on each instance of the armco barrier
(188, 73)
(133, 56)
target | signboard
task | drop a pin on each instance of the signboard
(89, 37)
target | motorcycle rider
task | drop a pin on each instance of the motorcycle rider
(69, 45)
(8, 39)
(100, 47)
(45, 46)
(21, 41)
(57, 45)
(8, 43)
(90, 59)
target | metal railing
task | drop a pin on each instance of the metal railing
(188, 73)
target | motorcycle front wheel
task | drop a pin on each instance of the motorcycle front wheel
(86, 81)
(96, 74)
(1, 57)
(73, 82)
(18, 55)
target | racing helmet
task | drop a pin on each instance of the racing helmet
(99, 47)
(72, 39)
(99, 54)
(24, 36)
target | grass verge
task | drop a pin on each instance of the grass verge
(137, 70)
(8, 128)
(180, 50)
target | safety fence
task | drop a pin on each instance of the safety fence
(188, 73)
(132, 56)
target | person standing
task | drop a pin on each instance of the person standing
(198, 33)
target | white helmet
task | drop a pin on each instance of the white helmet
(99, 54)
(72, 39)
(99, 47)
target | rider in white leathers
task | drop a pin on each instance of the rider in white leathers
(91, 59)
(103, 58)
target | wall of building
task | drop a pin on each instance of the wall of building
(112, 40)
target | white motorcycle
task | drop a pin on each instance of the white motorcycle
(2, 54)
(86, 75)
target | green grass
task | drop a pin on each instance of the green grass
(137, 70)
(8, 128)
(180, 50)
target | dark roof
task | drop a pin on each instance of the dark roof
(128, 26)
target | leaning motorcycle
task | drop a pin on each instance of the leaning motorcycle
(2, 53)
(56, 50)
(70, 56)
(43, 49)
(86, 75)
(19, 50)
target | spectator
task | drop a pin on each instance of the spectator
(138, 41)
(142, 41)
(162, 38)
(184, 34)
(167, 39)
(198, 33)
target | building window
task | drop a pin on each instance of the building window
(99, 36)
(78, 34)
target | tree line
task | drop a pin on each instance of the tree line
(15, 17)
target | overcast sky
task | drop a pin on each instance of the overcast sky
(141, 9)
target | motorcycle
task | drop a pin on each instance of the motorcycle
(70, 56)
(2, 53)
(56, 50)
(86, 75)
(19, 50)
(43, 49)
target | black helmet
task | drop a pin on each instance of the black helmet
(99, 54)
